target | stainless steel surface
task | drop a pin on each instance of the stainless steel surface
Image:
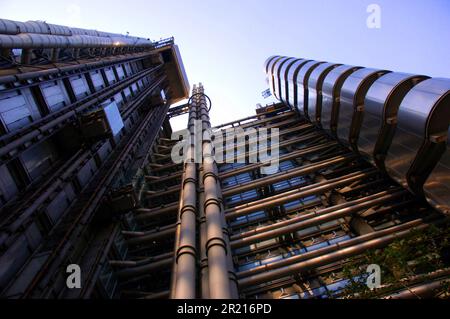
(271, 73)
(437, 186)
(284, 84)
(291, 94)
(185, 268)
(218, 256)
(267, 63)
(420, 137)
(315, 83)
(380, 114)
(302, 86)
(277, 76)
(39, 34)
(331, 95)
(349, 115)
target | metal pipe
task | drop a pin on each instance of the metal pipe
(285, 143)
(163, 167)
(231, 271)
(216, 248)
(186, 254)
(242, 120)
(241, 157)
(324, 250)
(159, 179)
(145, 213)
(286, 157)
(168, 191)
(134, 263)
(37, 35)
(133, 234)
(84, 215)
(28, 211)
(413, 282)
(316, 218)
(285, 175)
(67, 68)
(144, 269)
(152, 236)
(426, 290)
(18, 138)
(324, 259)
(297, 193)
(231, 145)
(304, 217)
(204, 271)
(176, 245)
(267, 119)
(158, 295)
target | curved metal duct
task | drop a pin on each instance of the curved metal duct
(331, 92)
(39, 34)
(284, 84)
(44, 41)
(349, 116)
(277, 76)
(315, 84)
(271, 72)
(291, 82)
(380, 114)
(399, 121)
(421, 135)
(42, 27)
(437, 186)
(268, 61)
(302, 86)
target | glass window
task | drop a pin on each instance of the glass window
(339, 239)
(248, 266)
(338, 286)
(317, 246)
(291, 205)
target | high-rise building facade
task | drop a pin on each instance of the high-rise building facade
(340, 187)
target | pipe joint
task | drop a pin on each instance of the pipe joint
(189, 180)
(188, 208)
(186, 249)
(210, 174)
(211, 201)
(204, 263)
(216, 241)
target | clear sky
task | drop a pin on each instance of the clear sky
(225, 43)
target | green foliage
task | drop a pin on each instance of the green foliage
(421, 252)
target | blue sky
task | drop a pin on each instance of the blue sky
(225, 43)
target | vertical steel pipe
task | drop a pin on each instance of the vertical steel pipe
(216, 244)
(186, 254)
(204, 271)
(231, 271)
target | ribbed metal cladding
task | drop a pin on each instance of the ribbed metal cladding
(388, 117)
(37, 34)
(219, 257)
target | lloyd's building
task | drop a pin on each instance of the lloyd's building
(356, 206)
